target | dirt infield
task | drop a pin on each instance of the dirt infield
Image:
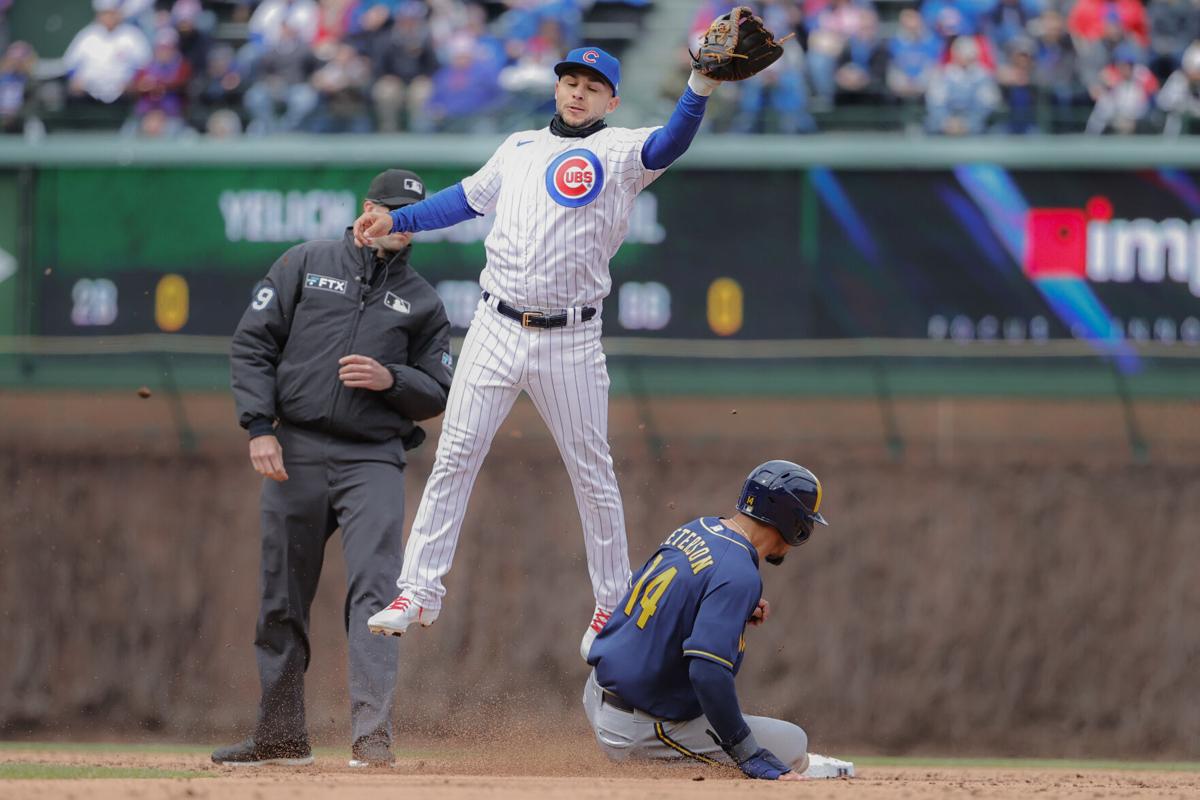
(563, 769)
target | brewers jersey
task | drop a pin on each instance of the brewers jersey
(692, 599)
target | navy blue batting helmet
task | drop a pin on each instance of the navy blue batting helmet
(785, 496)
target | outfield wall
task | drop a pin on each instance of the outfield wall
(775, 240)
(1013, 583)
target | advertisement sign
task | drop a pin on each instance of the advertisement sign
(977, 252)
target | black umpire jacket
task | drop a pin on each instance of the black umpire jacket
(327, 299)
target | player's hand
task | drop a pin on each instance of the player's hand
(371, 225)
(763, 765)
(267, 457)
(363, 372)
(761, 613)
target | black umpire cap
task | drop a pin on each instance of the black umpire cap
(395, 188)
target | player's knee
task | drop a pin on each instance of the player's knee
(458, 448)
(789, 743)
(797, 751)
(595, 486)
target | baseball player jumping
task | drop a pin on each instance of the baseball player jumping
(662, 684)
(562, 197)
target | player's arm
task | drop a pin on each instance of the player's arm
(471, 197)
(751, 50)
(421, 386)
(254, 356)
(712, 650)
(440, 210)
(258, 341)
(671, 141)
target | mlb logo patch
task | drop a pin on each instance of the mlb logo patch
(413, 185)
(397, 303)
(447, 360)
(325, 283)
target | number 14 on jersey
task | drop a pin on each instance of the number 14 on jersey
(654, 591)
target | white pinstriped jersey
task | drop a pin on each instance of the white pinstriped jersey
(562, 209)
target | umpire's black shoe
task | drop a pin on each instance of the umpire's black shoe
(251, 754)
(371, 751)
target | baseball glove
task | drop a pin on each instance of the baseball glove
(736, 46)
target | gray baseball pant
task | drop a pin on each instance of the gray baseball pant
(332, 483)
(625, 735)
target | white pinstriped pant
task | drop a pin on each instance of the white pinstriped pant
(563, 370)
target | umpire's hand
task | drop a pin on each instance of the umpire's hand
(364, 372)
(267, 457)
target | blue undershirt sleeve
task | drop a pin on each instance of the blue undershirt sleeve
(714, 688)
(671, 141)
(441, 210)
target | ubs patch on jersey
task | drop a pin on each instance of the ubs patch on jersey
(396, 303)
(575, 178)
(325, 283)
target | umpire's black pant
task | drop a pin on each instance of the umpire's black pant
(332, 483)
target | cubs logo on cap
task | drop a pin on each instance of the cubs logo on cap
(575, 178)
(596, 60)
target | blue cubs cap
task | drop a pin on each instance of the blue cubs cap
(596, 60)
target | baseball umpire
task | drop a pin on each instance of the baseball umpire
(562, 196)
(662, 684)
(341, 349)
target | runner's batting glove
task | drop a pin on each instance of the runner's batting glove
(763, 764)
(752, 760)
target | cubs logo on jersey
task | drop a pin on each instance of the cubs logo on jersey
(575, 178)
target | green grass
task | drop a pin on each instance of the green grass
(105, 747)
(1025, 763)
(182, 749)
(56, 772)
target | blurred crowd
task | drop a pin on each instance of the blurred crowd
(155, 68)
(159, 68)
(967, 67)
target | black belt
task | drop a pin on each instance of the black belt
(539, 319)
(608, 698)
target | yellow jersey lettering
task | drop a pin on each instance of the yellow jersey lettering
(693, 546)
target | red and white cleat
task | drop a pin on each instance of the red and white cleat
(395, 619)
(599, 620)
